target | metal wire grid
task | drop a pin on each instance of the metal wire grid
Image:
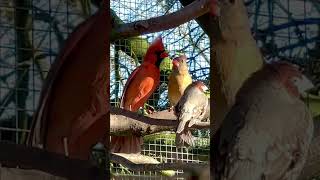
(188, 39)
(31, 34)
(288, 28)
(283, 29)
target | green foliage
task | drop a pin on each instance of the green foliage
(169, 139)
(138, 47)
(121, 170)
(135, 47)
(160, 138)
(207, 93)
(168, 173)
(313, 102)
(166, 65)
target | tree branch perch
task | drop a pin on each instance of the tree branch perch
(124, 123)
(161, 23)
(128, 160)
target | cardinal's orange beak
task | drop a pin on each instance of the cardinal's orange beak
(164, 54)
(175, 63)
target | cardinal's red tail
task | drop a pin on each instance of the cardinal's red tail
(126, 144)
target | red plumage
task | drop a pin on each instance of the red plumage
(141, 84)
(71, 116)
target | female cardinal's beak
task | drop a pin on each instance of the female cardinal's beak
(175, 63)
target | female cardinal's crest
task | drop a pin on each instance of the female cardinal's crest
(178, 60)
(181, 58)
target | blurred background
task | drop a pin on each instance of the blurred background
(33, 31)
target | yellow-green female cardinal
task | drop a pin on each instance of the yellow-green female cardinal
(179, 79)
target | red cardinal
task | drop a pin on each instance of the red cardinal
(72, 112)
(139, 87)
(267, 132)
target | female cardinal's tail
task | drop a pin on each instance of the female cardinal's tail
(126, 144)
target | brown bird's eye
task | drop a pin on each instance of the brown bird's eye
(296, 79)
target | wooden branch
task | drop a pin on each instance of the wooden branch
(161, 23)
(207, 22)
(123, 122)
(126, 160)
(13, 156)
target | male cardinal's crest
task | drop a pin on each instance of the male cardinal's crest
(141, 84)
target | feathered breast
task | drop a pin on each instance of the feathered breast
(140, 86)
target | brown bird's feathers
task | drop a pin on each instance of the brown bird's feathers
(191, 108)
(192, 105)
(185, 138)
(267, 132)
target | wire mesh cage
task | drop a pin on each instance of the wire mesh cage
(283, 30)
(287, 30)
(127, 54)
(31, 34)
(33, 31)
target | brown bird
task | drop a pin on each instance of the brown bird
(179, 79)
(191, 108)
(267, 132)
